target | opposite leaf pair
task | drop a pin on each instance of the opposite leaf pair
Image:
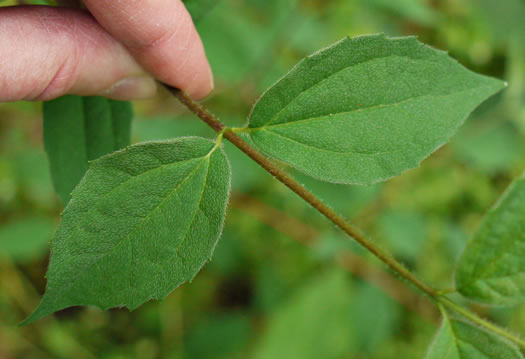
(145, 219)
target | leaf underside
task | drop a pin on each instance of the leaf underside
(492, 267)
(79, 129)
(366, 109)
(457, 339)
(142, 221)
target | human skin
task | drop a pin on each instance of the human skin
(116, 49)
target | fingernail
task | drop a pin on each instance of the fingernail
(132, 88)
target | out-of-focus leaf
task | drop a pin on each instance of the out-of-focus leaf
(80, 129)
(228, 254)
(331, 244)
(98, 127)
(374, 318)
(164, 127)
(65, 143)
(121, 118)
(220, 337)
(366, 109)
(142, 221)
(32, 2)
(199, 8)
(33, 177)
(248, 39)
(454, 237)
(404, 232)
(346, 199)
(314, 323)
(492, 267)
(418, 11)
(505, 17)
(489, 143)
(7, 182)
(27, 238)
(457, 339)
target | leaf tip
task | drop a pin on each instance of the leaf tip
(46, 307)
(38, 314)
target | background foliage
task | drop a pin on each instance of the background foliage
(283, 278)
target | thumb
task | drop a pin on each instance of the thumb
(48, 52)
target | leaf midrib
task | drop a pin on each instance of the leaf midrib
(323, 118)
(206, 159)
(318, 83)
(328, 150)
(365, 109)
(123, 239)
(324, 79)
(194, 216)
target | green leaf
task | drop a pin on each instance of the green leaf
(403, 231)
(491, 147)
(65, 143)
(121, 116)
(366, 109)
(79, 129)
(98, 127)
(249, 37)
(492, 267)
(224, 334)
(142, 221)
(372, 329)
(458, 339)
(314, 323)
(504, 18)
(418, 11)
(199, 8)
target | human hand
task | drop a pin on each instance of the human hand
(114, 50)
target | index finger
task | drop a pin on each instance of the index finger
(160, 34)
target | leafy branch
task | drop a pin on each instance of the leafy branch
(145, 219)
(300, 190)
(331, 215)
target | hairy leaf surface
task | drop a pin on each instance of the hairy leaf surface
(458, 339)
(142, 221)
(366, 109)
(492, 267)
(79, 129)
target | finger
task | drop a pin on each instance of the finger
(48, 52)
(162, 37)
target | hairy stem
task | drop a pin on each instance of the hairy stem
(303, 233)
(335, 218)
(288, 181)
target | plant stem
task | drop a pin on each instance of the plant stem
(303, 233)
(288, 181)
(480, 321)
(339, 221)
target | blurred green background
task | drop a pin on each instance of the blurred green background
(284, 283)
